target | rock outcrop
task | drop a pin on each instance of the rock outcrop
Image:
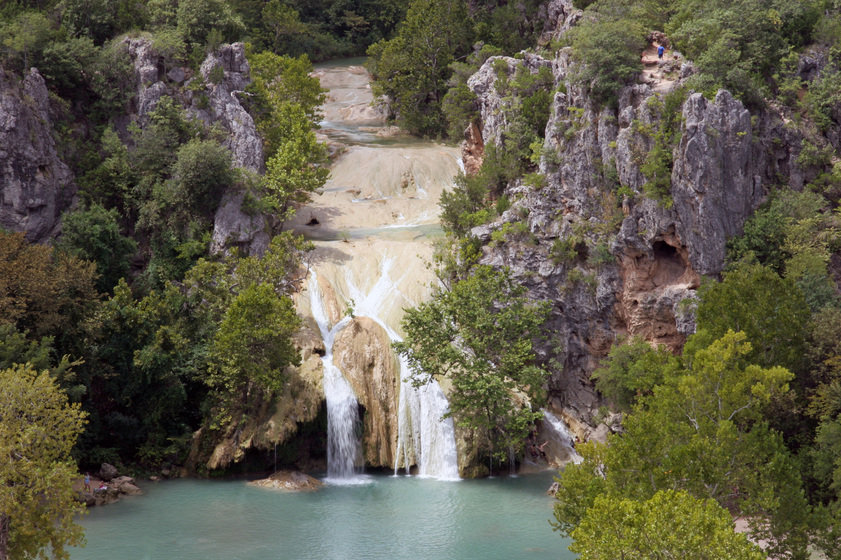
(233, 226)
(226, 74)
(108, 488)
(36, 186)
(290, 481)
(362, 350)
(631, 263)
(213, 97)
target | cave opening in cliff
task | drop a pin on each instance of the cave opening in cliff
(669, 263)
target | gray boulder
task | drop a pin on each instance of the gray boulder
(107, 472)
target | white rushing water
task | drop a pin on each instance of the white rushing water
(343, 446)
(425, 437)
(373, 226)
(561, 430)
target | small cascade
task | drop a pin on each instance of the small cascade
(425, 438)
(343, 446)
(561, 431)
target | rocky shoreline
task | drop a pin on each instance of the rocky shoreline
(105, 487)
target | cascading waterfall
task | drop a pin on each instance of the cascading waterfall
(425, 438)
(343, 446)
(560, 429)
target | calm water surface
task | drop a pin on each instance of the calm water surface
(387, 518)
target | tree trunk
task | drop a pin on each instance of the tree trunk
(4, 537)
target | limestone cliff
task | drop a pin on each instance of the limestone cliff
(212, 97)
(36, 186)
(632, 261)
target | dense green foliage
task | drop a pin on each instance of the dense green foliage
(413, 67)
(700, 430)
(671, 524)
(38, 428)
(155, 337)
(152, 334)
(478, 335)
(421, 65)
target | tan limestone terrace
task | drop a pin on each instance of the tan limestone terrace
(380, 203)
(373, 226)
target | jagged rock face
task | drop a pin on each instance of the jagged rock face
(473, 149)
(716, 181)
(560, 16)
(491, 104)
(724, 164)
(215, 104)
(36, 186)
(232, 226)
(362, 351)
(148, 70)
(224, 106)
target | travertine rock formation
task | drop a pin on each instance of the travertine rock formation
(362, 350)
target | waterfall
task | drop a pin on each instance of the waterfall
(560, 429)
(425, 438)
(343, 446)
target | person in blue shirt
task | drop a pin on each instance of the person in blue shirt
(660, 50)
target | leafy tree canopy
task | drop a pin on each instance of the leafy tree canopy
(38, 428)
(670, 524)
(702, 431)
(478, 336)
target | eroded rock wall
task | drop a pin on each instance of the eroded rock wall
(213, 97)
(362, 351)
(637, 261)
(36, 186)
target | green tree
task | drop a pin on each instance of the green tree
(412, 69)
(24, 38)
(737, 45)
(93, 234)
(770, 310)
(68, 65)
(294, 172)
(43, 291)
(38, 428)
(608, 52)
(201, 172)
(254, 342)
(478, 336)
(196, 19)
(286, 107)
(16, 348)
(702, 430)
(101, 19)
(111, 183)
(671, 524)
(142, 361)
(632, 369)
(280, 80)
